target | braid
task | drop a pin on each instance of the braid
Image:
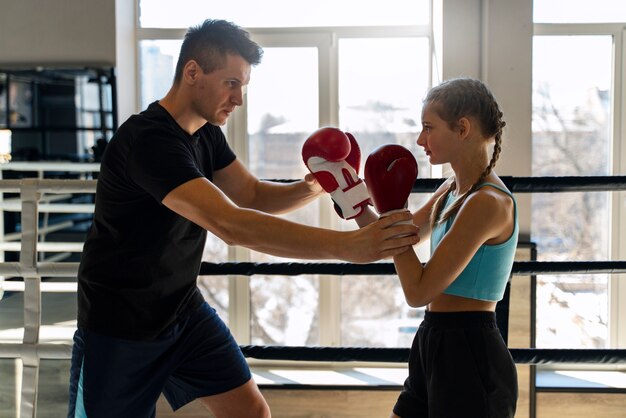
(434, 214)
(491, 121)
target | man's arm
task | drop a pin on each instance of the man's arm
(247, 191)
(203, 203)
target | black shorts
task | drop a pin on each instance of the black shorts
(459, 367)
(113, 377)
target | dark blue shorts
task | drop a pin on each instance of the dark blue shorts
(195, 357)
(459, 367)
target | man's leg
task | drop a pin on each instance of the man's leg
(246, 401)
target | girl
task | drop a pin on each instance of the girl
(459, 364)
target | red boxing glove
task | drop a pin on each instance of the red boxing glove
(390, 172)
(334, 158)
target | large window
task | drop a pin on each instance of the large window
(285, 13)
(368, 75)
(364, 72)
(574, 131)
(579, 11)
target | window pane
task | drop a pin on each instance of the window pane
(215, 288)
(280, 118)
(579, 11)
(282, 111)
(58, 313)
(285, 13)
(9, 369)
(158, 64)
(12, 317)
(53, 388)
(571, 120)
(284, 310)
(381, 103)
(375, 314)
(3, 101)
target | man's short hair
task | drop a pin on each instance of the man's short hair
(210, 42)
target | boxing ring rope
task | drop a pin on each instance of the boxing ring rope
(401, 355)
(543, 184)
(32, 270)
(31, 350)
(520, 268)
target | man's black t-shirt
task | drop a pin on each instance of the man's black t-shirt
(141, 260)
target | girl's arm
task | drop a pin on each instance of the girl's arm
(470, 229)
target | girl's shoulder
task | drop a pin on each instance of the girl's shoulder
(491, 195)
(494, 184)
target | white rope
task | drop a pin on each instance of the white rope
(17, 236)
(51, 287)
(15, 206)
(51, 186)
(43, 269)
(74, 247)
(49, 351)
(31, 351)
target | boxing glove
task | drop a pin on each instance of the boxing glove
(390, 172)
(334, 158)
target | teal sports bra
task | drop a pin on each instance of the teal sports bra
(487, 273)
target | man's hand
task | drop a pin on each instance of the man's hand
(313, 185)
(381, 239)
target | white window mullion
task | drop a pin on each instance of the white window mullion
(330, 286)
(617, 286)
(239, 286)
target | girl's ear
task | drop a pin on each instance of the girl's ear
(464, 126)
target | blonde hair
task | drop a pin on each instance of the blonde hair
(465, 97)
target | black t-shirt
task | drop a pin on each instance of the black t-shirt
(141, 260)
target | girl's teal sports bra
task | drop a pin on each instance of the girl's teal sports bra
(488, 272)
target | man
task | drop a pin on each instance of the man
(167, 177)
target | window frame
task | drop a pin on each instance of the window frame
(325, 39)
(617, 152)
(268, 37)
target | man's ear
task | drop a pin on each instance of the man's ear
(191, 71)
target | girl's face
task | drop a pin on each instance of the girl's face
(439, 141)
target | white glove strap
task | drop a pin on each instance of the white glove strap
(350, 200)
(317, 164)
(407, 222)
(349, 197)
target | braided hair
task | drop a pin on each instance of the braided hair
(465, 97)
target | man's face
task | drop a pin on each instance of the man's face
(219, 92)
